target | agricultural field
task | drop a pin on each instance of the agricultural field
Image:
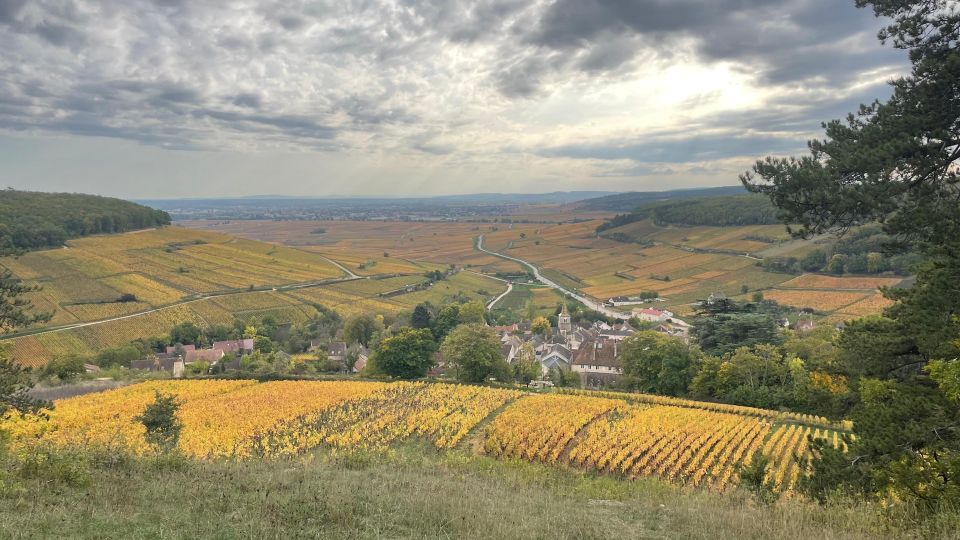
(174, 275)
(683, 264)
(361, 245)
(86, 279)
(624, 435)
(840, 298)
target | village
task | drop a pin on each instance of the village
(591, 351)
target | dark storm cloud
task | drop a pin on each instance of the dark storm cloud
(781, 41)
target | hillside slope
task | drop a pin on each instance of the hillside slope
(106, 291)
(30, 220)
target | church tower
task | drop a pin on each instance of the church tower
(563, 321)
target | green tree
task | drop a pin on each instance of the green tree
(406, 355)
(361, 328)
(16, 380)
(446, 320)
(562, 377)
(16, 311)
(473, 351)
(722, 333)
(160, 421)
(526, 367)
(753, 478)
(894, 163)
(658, 363)
(185, 333)
(421, 317)
(758, 376)
(814, 261)
(876, 263)
(473, 313)
(836, 264)
(15, 384)
(63, 368)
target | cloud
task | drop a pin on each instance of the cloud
(697, 148)
(547, 88)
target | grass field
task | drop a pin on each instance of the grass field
(412, 492)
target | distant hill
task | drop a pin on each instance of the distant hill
(31, 220)
(278, 201)
(626, 202)
(717, 211)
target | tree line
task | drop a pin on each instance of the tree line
(31, 220)
(721, 211)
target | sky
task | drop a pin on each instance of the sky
(179, 98)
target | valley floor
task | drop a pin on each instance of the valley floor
(415, 492)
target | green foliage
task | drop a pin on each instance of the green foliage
(30, 220)
(406, 355)
(758, 376)
(473, 352)
(119, 356)
(15, 383)
(526, 367)
(725, 326)
(718, 211)
(361, 328)
(446, 320)
(56, 466)
(185, 333)
(753, 478)
(561, 378)
(947, 375)
(473, 313)
(421, 317)
(64, 368)
(160, 421)
(435, 275)
(15, 310)
(658, 363)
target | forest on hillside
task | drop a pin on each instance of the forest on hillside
(31, 220)
(716, 211)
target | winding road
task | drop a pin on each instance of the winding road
(589, 302)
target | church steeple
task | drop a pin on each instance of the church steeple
(564, 324)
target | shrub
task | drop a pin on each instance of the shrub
(753, 477)
(161, 422)
(60, 466)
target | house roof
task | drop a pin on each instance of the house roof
(205, 355)
(337, 348)
(234, 345)
(173, 348)
(600, 352)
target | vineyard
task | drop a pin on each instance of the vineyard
(624, 435)
(683, 264)
(173, 275)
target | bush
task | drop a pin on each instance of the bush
(65, 369)
(161, 422)
(753, 477)
(58, 466)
